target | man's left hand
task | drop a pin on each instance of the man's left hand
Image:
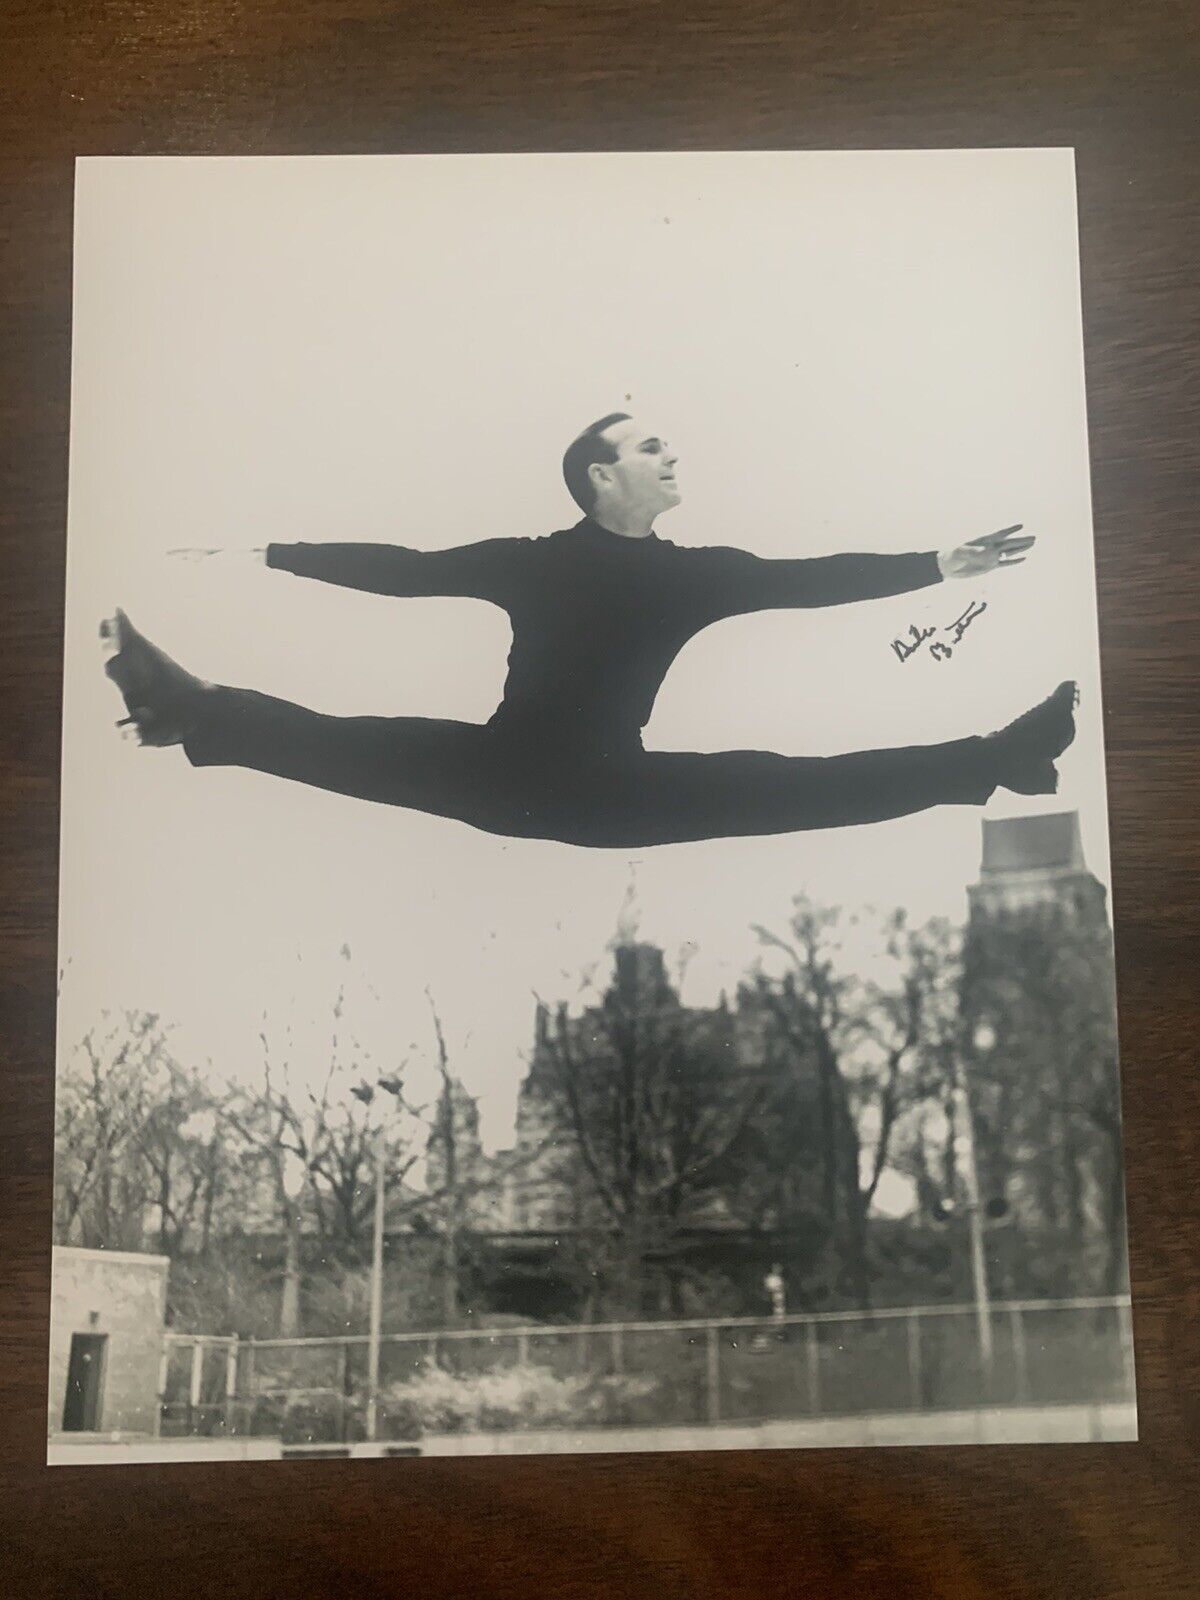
(1007, 548)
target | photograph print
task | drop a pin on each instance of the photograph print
(584, 892)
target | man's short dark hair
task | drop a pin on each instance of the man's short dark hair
(582, 452)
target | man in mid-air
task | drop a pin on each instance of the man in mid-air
(599, 611)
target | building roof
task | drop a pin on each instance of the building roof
(1032, 844)
(128, 1258)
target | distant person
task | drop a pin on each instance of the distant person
(599, 612)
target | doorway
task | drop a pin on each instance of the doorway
(85, 1383)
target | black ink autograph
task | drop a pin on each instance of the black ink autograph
(939, 650)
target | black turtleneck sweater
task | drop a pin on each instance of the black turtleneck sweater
(597, 618)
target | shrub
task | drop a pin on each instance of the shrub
(524, 1397)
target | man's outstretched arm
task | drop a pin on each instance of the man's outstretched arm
(754, 583)
(480, 571)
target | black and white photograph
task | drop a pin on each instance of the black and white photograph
(585, 898)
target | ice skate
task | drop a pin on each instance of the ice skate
(159, 694)
(1029, 746)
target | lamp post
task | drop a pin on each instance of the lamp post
(366, 1093)
(376, 1325)
(984, 1040)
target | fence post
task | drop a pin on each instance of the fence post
(251, 1401)
(1016, 1323)
(618, 1350)
(163, 1370)
(914, 1359)
(231, 1369)
(344, 1390)
(814, 1368)
(194, 1388)
(713, 1374)
(522, 1349)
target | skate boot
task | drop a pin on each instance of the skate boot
(1026, 750)
(159, 694)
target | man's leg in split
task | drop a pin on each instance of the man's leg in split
(420, 763)
(669, 797)
(447, 768)
(665, 797)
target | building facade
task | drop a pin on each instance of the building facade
(624, 1106)
(106, 1340)
(1040, 1033)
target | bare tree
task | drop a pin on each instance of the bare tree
(444, 1143)
(184, 1145)
(869, 1046)
(462, 1183)
(649, 1106)
(118, 1081)
(316, 1152)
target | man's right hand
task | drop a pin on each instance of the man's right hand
(200, 553)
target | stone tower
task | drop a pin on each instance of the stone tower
(1031, 863)
(1040, 1056)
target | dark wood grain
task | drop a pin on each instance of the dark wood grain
(1116, 78)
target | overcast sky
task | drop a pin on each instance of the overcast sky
(867, 351)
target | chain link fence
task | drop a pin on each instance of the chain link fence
(653, 1375)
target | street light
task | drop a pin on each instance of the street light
(366, 1093)
(984, 1041)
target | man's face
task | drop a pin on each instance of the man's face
(642, 478)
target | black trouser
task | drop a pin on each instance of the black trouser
(525, 788)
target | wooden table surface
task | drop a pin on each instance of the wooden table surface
(1116, 78)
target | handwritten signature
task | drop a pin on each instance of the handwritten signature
(939, 649)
